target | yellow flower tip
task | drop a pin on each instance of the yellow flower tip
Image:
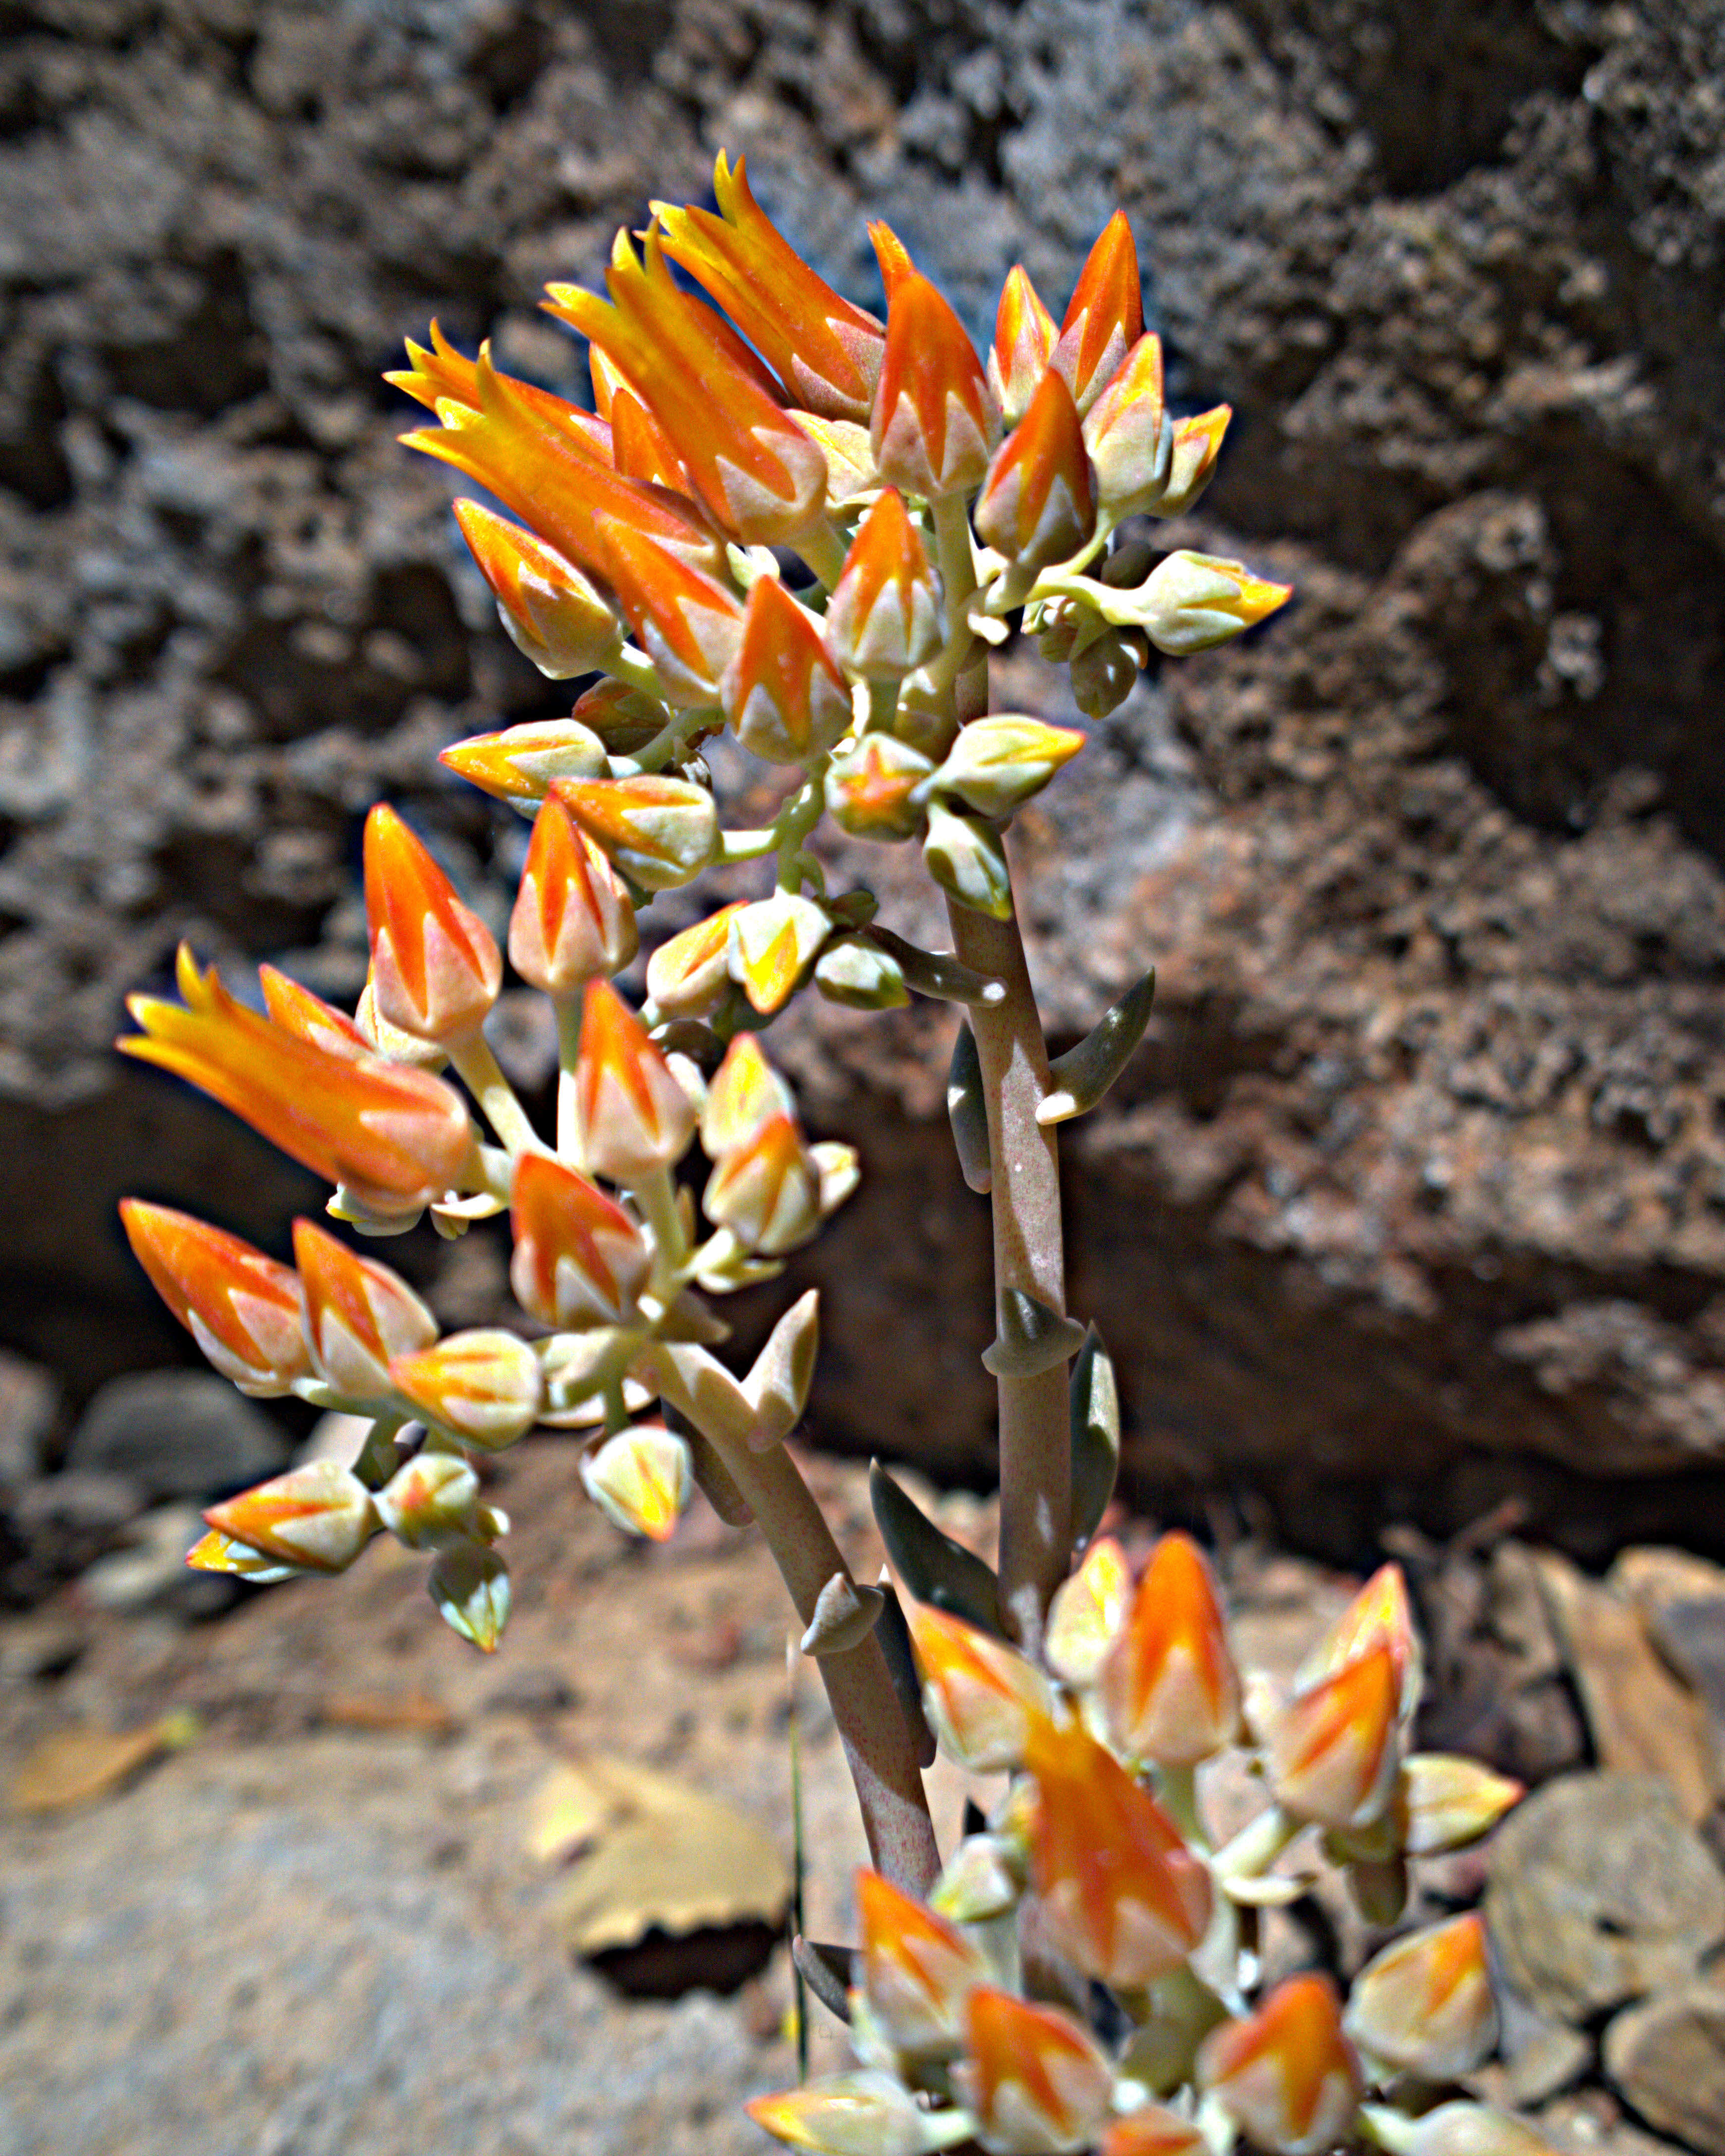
(747, 1093)
(642, 1479)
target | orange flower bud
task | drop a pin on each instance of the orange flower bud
(1024, 345)
(1152, 2131)
(1035, 2082)
(579, 1260)
(660, 832)
(773, 940)
(767, 1191)
(1423, 2005)
(641, 1479)
(552, 613)
(319, 1516)
(1106, 316)
(1123, 1896)
(757, 472)
(878, 789)
(435, 966)
(518, 764)
(573, 921)
(632, 1118)
(395, 1138)
(885, 618)
(1445, 1802)
(782, 693)
(983, 1699)
(917, 1969)
(1170, 1689)
(359, 1316)
(523, 447)
(1288, 2076)
(1087, 1613)
(1128, 434)
(1038, 503)
(827, 352)
(242, 1308)
(746, 1095)
(1379, 1613)
(935, 419)
(1191, 460)
(689, 974)
(432, 1501)
(1332, 1754)
(483, 1387)
(310, 1019)
(996, 764)
(690, 623)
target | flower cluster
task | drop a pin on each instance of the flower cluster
(793, 420)
(1083, 1974)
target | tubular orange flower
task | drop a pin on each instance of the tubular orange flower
(917, 1969)
(688, 975)
(825, 350)
(1038, 503)
(759, 474)
(552, 478)
(1106, 316)
(1170, 1688)
(781, 692)
(983, 1701)
(1332, 1754)
(935, 419)
(632, 1118)
(518, 764)
(436, 969)
(1128, 434)
(1287, 2077)
(660, 832)
(1191, 460)
(1035, 2082)
(396, 1138)
(242, 1308)
(444, 375)
(319, 1516)
(359, 1316)
(690, 623)
(884, 617)
(573, 922)
(310, 1019)
(746, 1094)
(1122, 1895)
(640, 448)
(579, 1260)
(767, 1191)
(1423, 2005)
(1023, 344)
(552, 613)
(482, 1386)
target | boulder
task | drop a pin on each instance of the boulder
(177, 1434)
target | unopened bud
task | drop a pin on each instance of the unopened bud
(782, 692)
(935, 419)
(579, 1260)
(1444, 1802)
(885, 618)
(359, 1315)
(918, 1970)
(996, 764)
(773, 940)
(982, 1698)
(1088, 1613)
(746, 1095)
(470, 1585)
(621, 719)
(553, 614)
(859, 2114)
(689, 975)
(965, 857)
(1423, 2005)
(855, 971)
(1036, 2083)
(1287, 2075)
(632, 1118)
(1106, 317)
(573, 921)
(1194, 602)
(1191, 460)
(1106, 672)
(319, 1516)
(660, 832)
(1039, 504)
(430, 1501)
(1331, 1753)
(641, 1479)
(1379, 1613)
(1024, 343)
(983, 1879)
(1170, 1690)
(878, 789)
(484, 1387)
(767, 1191)
(518, 764)
(242, 1308)
(1129, 435)
(435, 966)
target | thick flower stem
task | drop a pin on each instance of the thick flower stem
(1029, 1254)
(1029, 1241)
(877, 1743)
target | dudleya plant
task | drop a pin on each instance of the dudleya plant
(1081, 1971)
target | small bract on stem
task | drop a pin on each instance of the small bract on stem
(936, 499)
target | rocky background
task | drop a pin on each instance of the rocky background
(1416, 1203)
